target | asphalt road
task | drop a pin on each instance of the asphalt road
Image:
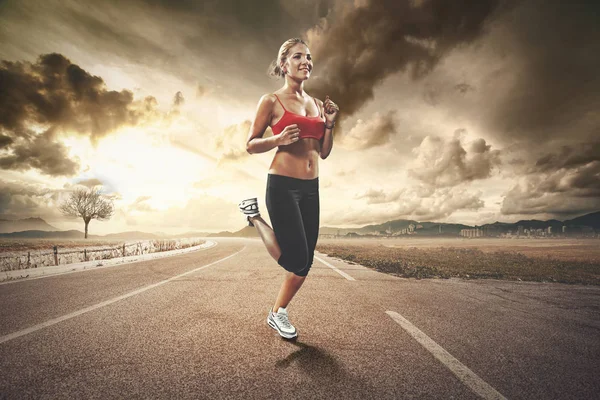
(194, 326)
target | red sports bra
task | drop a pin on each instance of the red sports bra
(310, 127)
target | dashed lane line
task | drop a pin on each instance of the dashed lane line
(342, 273)
(466, 376)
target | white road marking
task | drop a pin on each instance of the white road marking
(342, 273)
(463, 373)
(53, 321)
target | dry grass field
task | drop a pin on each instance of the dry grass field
(542, 260)
(25, 245)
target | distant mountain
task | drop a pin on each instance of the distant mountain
(395, 225)
(45, 230)
(247, 231)
(436, 228)
(27, 224)
(423, 228)
(591, 220)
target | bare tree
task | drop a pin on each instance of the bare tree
(88, 204)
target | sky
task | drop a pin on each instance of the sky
(470, 111)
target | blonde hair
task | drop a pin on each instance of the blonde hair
(275, 66)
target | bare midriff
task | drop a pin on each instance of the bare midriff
(297, 160)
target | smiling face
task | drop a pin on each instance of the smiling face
(299, 62)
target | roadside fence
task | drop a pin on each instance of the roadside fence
(57, 256)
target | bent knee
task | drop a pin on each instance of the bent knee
(298, 263)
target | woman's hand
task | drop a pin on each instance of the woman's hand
(331, 109)
(290, 134)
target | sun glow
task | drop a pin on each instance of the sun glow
(135, 162)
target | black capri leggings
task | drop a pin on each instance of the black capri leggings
(293, 206)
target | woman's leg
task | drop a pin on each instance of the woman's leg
(267, 235)
(292, 282)
(290, 286)
(282, 201)
(309, 207)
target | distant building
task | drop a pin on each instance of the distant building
(564, 229)
(490, 230)
(475, 232)
(520, 230)
(549, 230)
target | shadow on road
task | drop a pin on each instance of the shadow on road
(324, 370)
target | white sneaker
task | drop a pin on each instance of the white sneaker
(250, 209)
(279, 321)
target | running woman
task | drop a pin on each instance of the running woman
(302, 132)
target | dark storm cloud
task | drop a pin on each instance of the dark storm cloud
(57, 92)
(356, 51)
(565, 182)
(5, 141)
(267, 20)
(59, 95)
(223, 45)
(568, 156)
(556, 46)
(42, 153)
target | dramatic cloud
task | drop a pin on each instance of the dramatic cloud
(60, 97)
(361, 45)
(564, 183)
(25, 200)
(571, 156)
(556, 90)
(418, 203)
(445, 162)
(39, 152)
(520, 78)
(55, 92)
(371, 133)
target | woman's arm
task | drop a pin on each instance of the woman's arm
(327, 141)
(256, 143)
